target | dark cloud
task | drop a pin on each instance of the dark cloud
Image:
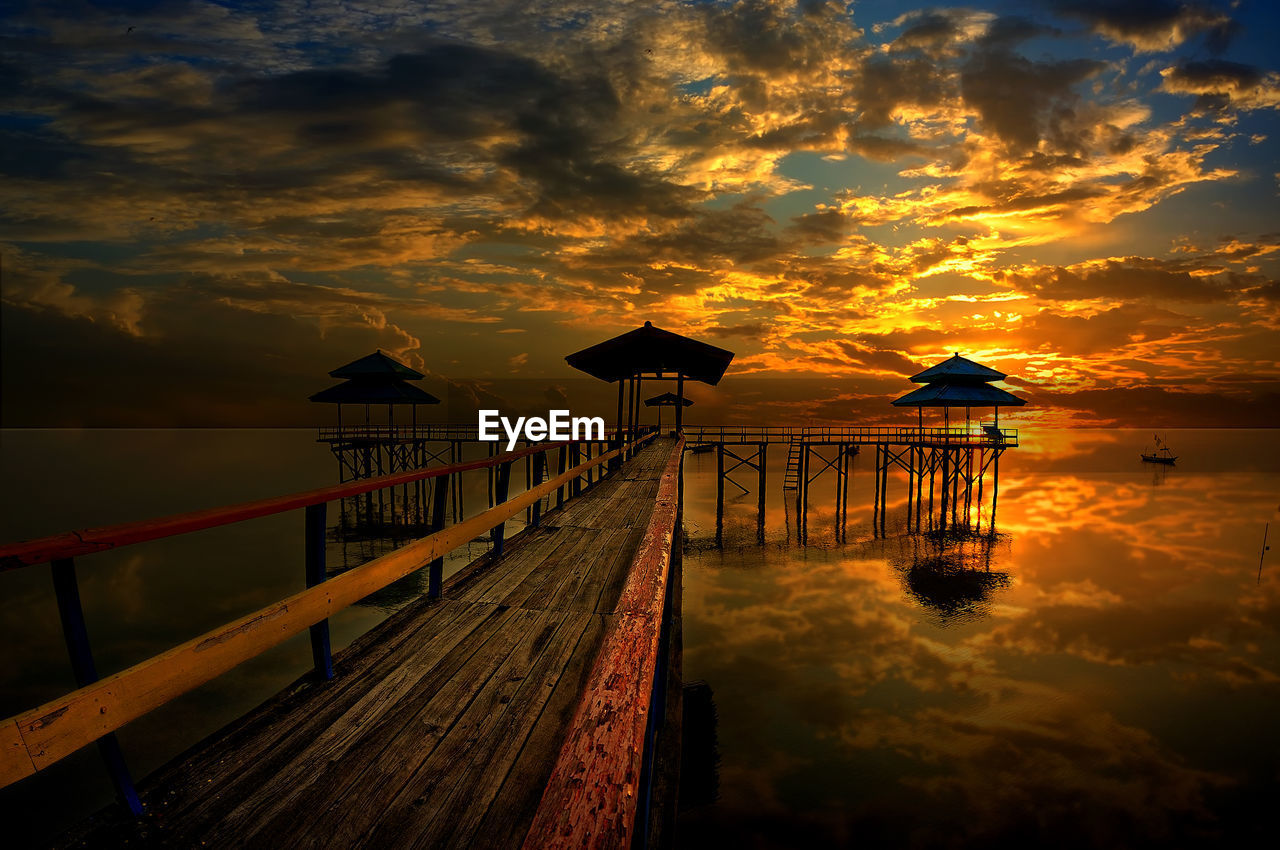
(1013, 29)
(753, 330)
(885, 149)
(829, 225)
(1162, 407)
(1032, 202)
(759, 36)
(740, 234)
(887, 83)
(879, 360)
(1152, 24)
(1099, 333)
(1021, 100)
(200, 364)
(929, 31)
(1134, 278)
(1219, 84)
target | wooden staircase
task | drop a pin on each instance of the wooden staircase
(791, 479)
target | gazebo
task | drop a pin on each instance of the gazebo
(666, 400)
(376, 379)
(656, 354)
(958, 382)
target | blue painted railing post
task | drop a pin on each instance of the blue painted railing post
(315, 533)
(77, 637)
(439, 500)
(499, 530)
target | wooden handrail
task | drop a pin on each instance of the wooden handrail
(590, 801)
(37, 738)
(71, 544)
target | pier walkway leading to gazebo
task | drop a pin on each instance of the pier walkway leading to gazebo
(519, 706)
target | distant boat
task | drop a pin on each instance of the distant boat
(702, 448)
(1162, 454)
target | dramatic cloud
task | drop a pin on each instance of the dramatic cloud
(834, 195)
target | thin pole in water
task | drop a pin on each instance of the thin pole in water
(1263, 553)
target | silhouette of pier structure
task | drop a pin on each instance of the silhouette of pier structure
(946, 467)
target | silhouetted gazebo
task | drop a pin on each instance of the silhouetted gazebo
(666, 400)
(656, 354)
(958, 382)
(376, 379)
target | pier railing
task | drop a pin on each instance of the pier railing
(430, 433)
(35, 739)
(974, 435)
(603, 802)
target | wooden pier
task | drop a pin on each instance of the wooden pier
(520, 703)
(951, 462)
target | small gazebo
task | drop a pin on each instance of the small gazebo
(655, 354)
(958, 382)
(667, 399)
(376, 379)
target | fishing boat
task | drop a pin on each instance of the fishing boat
(702, 448)
(1162, 454)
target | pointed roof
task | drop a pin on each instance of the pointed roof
(939, 394)
(666, 400)
(374, 392)
(376, 365)
(651, 351)
(957, 368)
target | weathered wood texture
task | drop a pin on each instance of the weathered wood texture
(595, 789)
(442, 725)
(58, 728)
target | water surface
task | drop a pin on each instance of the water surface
(1104, 670)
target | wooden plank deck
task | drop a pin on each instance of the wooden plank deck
(441, 726)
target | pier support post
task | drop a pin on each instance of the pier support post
(875, 497)
(946, 483)
(439, 496)
(316, 520)
(503, 483)
(574, 459)
(760, 496)
(911, 471)
(884, 487)
(561, 467)
(539, 463)
(76, 635)
(719, 494)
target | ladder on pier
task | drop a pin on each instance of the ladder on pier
(791, 479)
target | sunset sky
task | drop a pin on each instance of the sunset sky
(207, 206)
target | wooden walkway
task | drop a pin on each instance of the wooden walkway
(441, 726)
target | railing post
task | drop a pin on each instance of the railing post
(435, 570)
(576, 487)
(539, 463)
(504, 479)
(561, 467)
(321, 655)
(76, 635)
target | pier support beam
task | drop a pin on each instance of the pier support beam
(85, 671)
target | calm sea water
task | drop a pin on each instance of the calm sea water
(1103, 672)
(1105, 668)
